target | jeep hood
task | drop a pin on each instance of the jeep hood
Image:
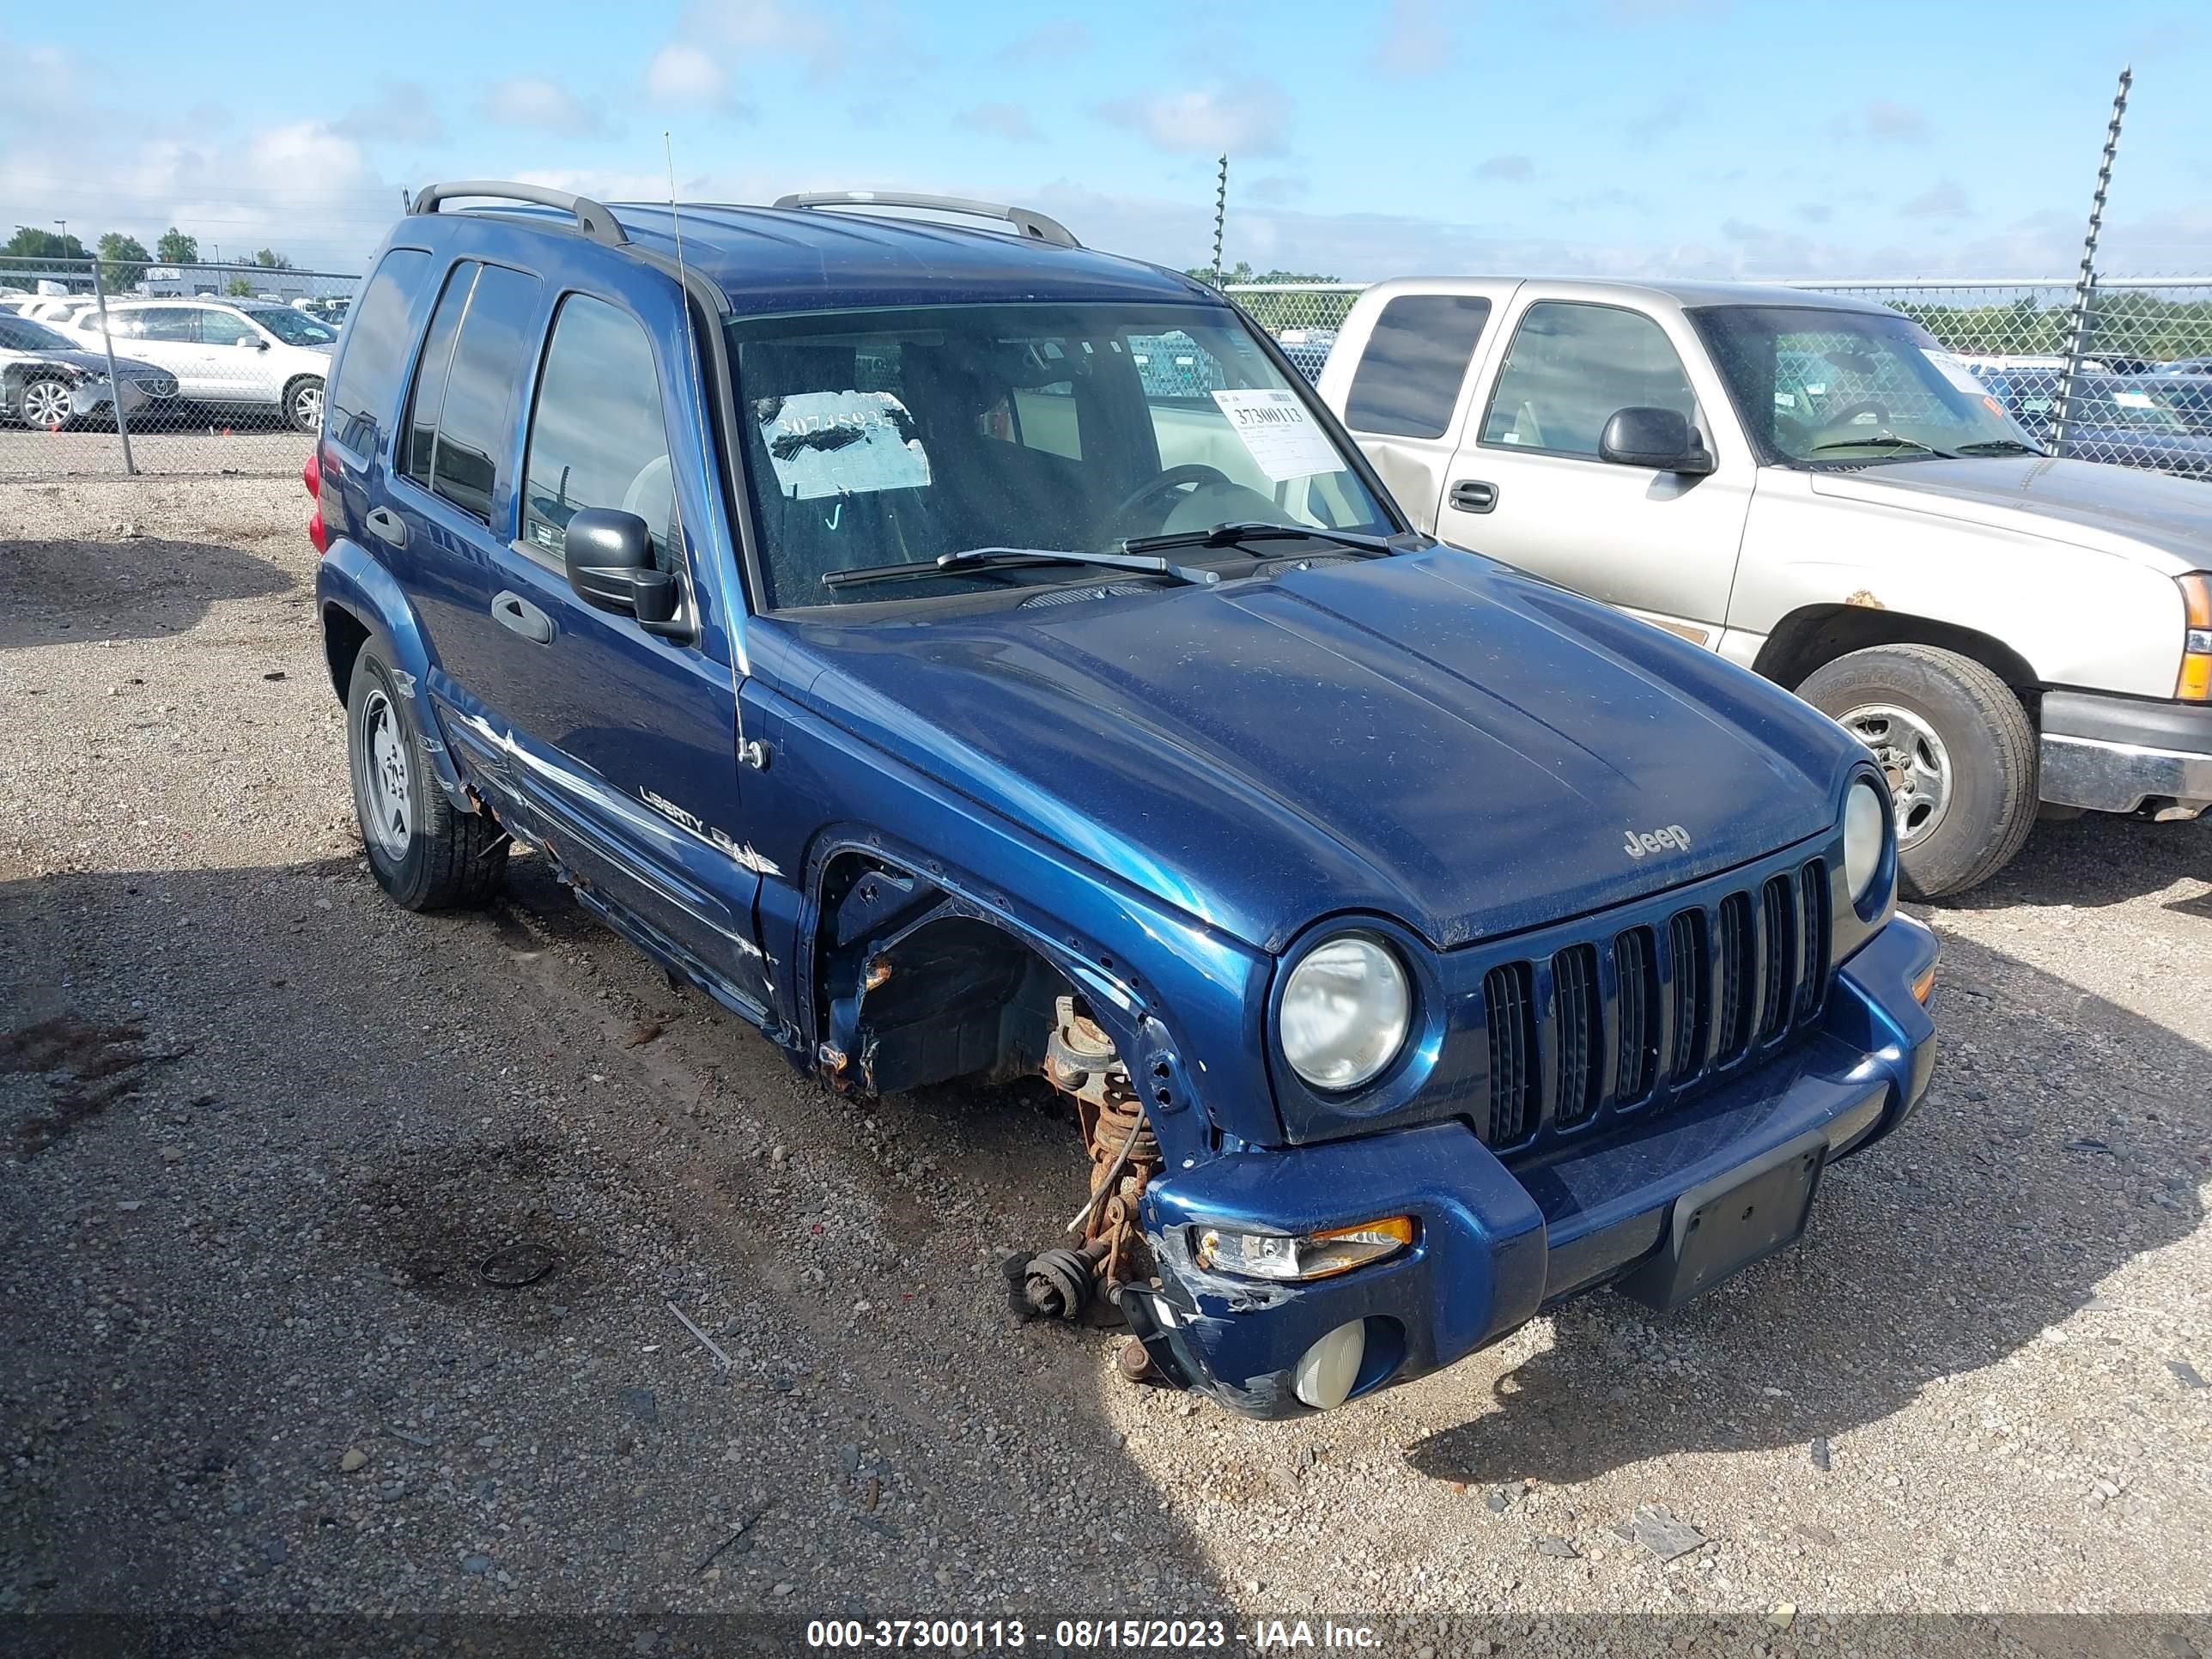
(1430, 737)
(2162, 521)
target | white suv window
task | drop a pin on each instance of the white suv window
(223, 327)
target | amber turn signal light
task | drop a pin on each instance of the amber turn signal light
(2195, 682)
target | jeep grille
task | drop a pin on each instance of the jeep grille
(1610, 1025)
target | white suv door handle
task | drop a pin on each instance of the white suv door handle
(1474, 495)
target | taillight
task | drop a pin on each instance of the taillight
(2195, 682)
(311, 476)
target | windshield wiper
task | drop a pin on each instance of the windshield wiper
(1884, 440)
(2002, 447)
(1230, 534)
(1009, 558)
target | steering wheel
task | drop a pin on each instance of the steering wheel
(1164, 484)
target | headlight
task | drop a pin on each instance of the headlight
(1301, 1255)
(1865, 830)
(1346, 1010)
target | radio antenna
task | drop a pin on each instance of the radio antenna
(690, 333)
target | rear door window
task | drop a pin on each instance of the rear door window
(486, 365)
(375, 353)
(173, 323)
(1408, 379)
(429, 398)
(597, 438)
(1571, 367)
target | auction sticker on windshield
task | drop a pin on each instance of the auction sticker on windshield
(841, 443)
(1285, 442)
(1961, 378)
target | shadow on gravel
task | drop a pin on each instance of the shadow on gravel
(140, 589)
(2062, 1137)
(294, 1280)
(2099, 859)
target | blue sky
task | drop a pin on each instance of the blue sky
(1752, 137)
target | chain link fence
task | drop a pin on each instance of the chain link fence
(2143, 395)
(107, 367)
(221, 365)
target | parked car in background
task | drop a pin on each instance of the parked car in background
(227, 353)
(2187, 365)
(1809, 485)
(869, 637)
(49, 380)
(2128, 420)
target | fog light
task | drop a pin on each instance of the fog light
(1327, 1371)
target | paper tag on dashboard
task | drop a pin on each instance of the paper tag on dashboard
(1284, 440)
(841, 443)
(1961, 377)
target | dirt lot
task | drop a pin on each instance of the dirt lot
(262, 1129)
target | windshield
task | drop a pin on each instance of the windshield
(1816, 387)
(22, 334)
(294, 327)
(892, 437)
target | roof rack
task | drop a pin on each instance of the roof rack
(1025, 220)
(592, 218)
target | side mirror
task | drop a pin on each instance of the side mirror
(608, 554)
(253, 343)
(1657, 438)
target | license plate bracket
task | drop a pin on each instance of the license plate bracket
(1723, 1225)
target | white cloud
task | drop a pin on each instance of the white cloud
(1248, 118)
(401, 112)
(681, 73)
(764, 27)
(1415, 41)
(1896, 123)
(304, 187)
(1943, 200)
(1049, 43)
(1513, 169)
(1008, 121)
(531, 101)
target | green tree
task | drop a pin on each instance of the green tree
(175, 248)
(1276, 311)
(123, 260)
(238, 289)
(30, 243)
(270, 259)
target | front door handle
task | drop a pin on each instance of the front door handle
(517, 615)
(387, 526)
(1474, 495)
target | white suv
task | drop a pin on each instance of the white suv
(244, 354)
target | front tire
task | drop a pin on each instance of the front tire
(1958, 749)
(45, 404)
(425, 855)
(303, 404)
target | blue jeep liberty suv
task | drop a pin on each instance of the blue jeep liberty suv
(967, 655)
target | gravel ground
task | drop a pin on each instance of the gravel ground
(247, 444)
(263, 1127)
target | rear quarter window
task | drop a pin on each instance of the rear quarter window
(1408, 378)
(376, 352)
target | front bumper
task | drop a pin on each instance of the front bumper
(2114, 754)
(1497, 1245)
